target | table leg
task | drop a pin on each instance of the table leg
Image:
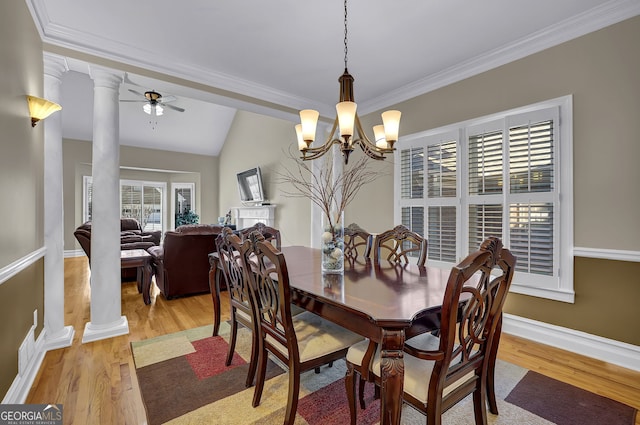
(147, 271)
(214, 287)
(392, 371)
(139, 278)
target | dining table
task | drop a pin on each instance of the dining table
(386, 302)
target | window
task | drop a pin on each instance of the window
(143, 201)
(183, 202)
(507, 175)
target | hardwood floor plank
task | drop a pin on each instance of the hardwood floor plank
(97, 384)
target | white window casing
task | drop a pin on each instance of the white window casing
(509, 175)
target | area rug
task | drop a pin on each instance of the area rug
(183, 380)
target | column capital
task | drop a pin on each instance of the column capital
(105, 77)
(54, 65)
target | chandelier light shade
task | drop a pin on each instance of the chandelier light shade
(40, 109)
(347, 130)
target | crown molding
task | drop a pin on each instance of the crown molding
(597, 18)
(61, 36)
(592, 20)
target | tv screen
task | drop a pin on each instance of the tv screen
(250, 186)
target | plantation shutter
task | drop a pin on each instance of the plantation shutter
(412, 173)
(485, 163)
(442, 178)
(441, 233)
(531, 171)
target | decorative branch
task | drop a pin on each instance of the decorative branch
(322, 188)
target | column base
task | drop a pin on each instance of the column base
(94, 332)
(61, 339)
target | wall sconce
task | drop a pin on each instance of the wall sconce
(40, 109)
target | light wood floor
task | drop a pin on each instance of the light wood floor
(96, 382)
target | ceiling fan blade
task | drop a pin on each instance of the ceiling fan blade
(137, 93)
(167, 99)
(131, 100)
(175, 108)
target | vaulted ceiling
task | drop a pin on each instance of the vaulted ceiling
(278, 57)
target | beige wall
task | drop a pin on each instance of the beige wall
(600, 70)
(257, 140)
(21, 183)
(180, 168)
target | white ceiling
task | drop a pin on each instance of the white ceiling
(290, 53)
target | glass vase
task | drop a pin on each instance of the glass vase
(333, 243)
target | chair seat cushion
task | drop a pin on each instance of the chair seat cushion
(317, 337)
(356, 352)
(417, 372)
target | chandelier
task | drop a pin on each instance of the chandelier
(348, 123)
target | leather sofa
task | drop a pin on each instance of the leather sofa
(131, 237)
(181, 264)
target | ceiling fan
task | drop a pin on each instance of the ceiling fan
(154, 102)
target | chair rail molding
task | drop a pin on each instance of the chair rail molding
(607, 254)
(20, 264)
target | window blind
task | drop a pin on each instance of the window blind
(442, 169)
(485, 163)
(412, 173)
(441, 233)
(531, 157)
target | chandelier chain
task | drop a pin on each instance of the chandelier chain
(345, 35)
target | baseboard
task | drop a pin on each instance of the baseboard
(607, 350)
(21, 385)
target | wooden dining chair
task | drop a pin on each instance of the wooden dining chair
(239, 298)
(441, 370)
(270, 233)
(357, 243)
(398, 245)
(303, 342)
(395, 246)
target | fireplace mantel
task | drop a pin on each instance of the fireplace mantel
(247, 216)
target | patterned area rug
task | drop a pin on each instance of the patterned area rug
(183, 380)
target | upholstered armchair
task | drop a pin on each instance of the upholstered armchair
(131, 237)
(181, 264)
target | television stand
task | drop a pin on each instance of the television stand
(247, 216)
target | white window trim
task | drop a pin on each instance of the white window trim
(85, 185)
(175, 186)
(563, 287)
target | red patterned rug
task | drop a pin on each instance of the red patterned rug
(183, 380)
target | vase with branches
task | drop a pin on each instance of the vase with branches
(332, 191)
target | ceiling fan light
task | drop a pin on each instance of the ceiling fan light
(150, 109)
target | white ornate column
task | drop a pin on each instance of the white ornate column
(56, 334)
(106, 319)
